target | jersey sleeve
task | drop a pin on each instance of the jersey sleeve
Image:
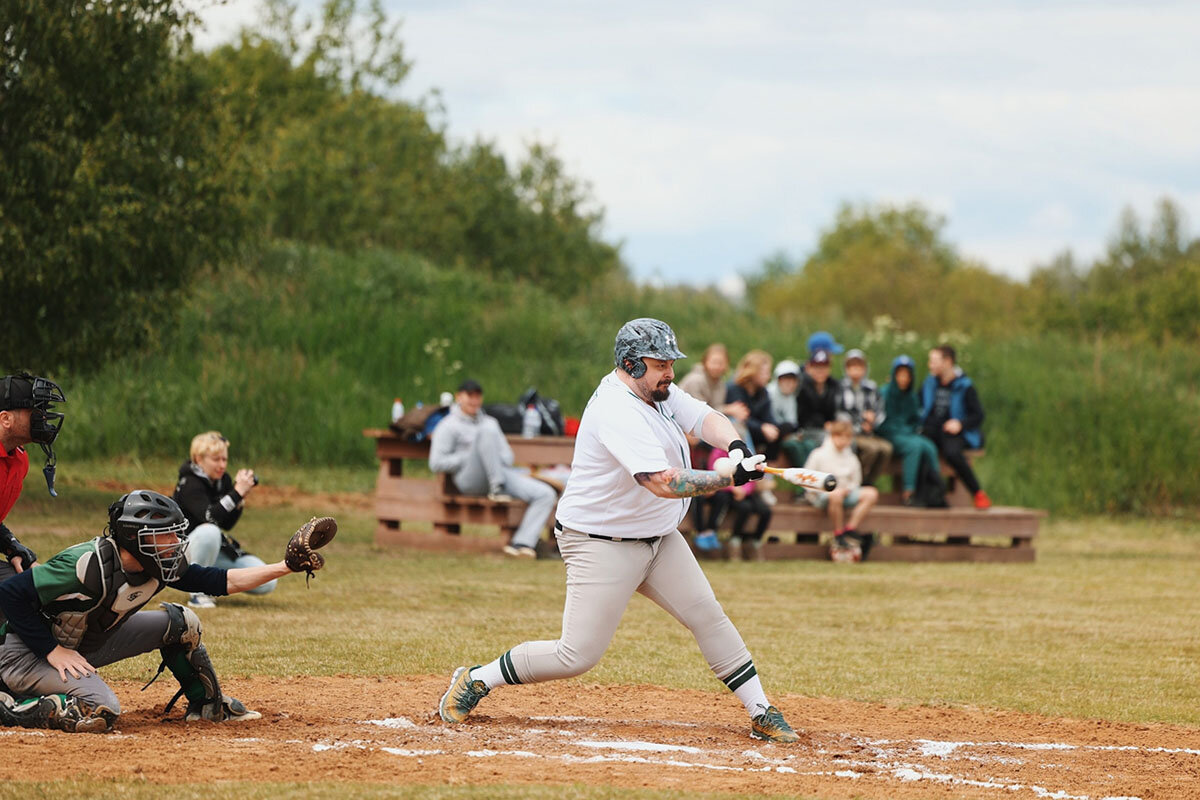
(631, 442)
(20, 601)
(690, 412)
(209, 580)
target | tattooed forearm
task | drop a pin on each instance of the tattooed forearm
(677, 482)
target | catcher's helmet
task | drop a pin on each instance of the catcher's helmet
(644, 338)
(137, 519)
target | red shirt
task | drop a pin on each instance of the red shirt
(14, 467)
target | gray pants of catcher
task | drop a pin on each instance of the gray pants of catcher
(29, 675)
(601, 578)
(485, 469)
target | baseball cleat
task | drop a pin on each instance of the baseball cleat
(462, 696)
(771, 726)
(228, 709)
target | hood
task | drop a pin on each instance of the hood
(904, 361)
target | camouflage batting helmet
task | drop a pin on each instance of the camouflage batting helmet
(644, 338)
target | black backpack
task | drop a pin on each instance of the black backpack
(931, 489)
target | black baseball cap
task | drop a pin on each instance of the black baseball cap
(470, 386)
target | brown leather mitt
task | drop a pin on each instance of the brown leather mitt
(301, 554)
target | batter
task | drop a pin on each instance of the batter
(630, 486)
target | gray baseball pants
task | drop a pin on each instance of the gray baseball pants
(29, 675)
(601, 578)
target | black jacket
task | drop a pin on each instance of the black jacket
(759, 405)
(203, 500)
(814, 408)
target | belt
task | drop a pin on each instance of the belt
(647, 539)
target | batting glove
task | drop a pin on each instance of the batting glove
(749, 467)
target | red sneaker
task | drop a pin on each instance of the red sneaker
(982, 501)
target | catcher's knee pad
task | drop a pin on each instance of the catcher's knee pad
(59, 712)
(183, 627)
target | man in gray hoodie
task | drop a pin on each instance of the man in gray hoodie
(469, 445)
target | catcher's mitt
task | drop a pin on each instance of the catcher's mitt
(301, 554)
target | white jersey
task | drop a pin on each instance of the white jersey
(619, 436)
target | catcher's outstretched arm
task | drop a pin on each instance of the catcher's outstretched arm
(243, 579)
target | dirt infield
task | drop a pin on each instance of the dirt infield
(386, 730)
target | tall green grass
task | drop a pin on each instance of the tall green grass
(293, 353)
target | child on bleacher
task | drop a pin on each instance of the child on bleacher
(836, 456)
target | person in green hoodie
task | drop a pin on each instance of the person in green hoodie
(902, 424)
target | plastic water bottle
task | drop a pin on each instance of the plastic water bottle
(531, 422)
(397, 409)
(446, 399)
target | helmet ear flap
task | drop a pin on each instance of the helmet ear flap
(635, 367)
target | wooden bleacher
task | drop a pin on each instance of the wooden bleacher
(958, 533)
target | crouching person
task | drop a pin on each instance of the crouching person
(76, 612)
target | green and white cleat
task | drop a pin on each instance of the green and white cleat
(462, 696)
(772, 727)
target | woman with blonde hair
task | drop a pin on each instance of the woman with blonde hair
(212, 503)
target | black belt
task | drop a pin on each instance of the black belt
(647, 539)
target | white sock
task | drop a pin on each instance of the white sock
(493, 674)
(752, 696)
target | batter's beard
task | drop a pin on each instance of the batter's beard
(660, 395)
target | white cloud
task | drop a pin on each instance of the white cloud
(1028, 125)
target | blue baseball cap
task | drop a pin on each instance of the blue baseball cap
(823, 340)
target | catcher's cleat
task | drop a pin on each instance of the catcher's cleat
(462, 696)
(228, 709)
(771, 726)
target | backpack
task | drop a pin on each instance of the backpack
(412, 426)
(552, 420)
(931, 489)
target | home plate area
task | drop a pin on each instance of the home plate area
(386, 729)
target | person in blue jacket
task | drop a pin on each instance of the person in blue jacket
(952, 416)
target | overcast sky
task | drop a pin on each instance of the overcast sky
(714, 134)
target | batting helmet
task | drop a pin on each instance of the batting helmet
(136, 522)
(644, 338)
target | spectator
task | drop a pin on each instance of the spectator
(469, 445)
(951, 415)
(745, 503)
(212, 503)
(782, 391)
(858, 400)
(836, 456)
(749, 387)
(816, 408)
(901, 426)
(706, 381)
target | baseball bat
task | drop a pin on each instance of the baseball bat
(806, 478)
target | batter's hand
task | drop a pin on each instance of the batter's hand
(66, 660)
(747, 467)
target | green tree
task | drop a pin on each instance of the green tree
(117, 176)
(888, 260)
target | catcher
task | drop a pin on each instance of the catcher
(76, 612)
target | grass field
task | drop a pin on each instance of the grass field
(1101, 626)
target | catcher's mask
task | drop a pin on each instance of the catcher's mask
(38, 394)
(644, 338)
(140, 522)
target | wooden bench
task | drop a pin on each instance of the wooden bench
(403, 498)
(797, 530)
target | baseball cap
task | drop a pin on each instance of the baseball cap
(819, 358)
(823, 340)
(470, 386)
(787, 367)
(856, 355)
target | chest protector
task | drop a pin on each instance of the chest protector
(84, 620)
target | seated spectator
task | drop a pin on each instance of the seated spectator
(782, 391)
(212, 503)
(901, 425)
(816, 408)
(858, 401)
(951, 415)
(706, 381)
(836, 456)
(749, 387)
(469, 445)
(745, 503)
